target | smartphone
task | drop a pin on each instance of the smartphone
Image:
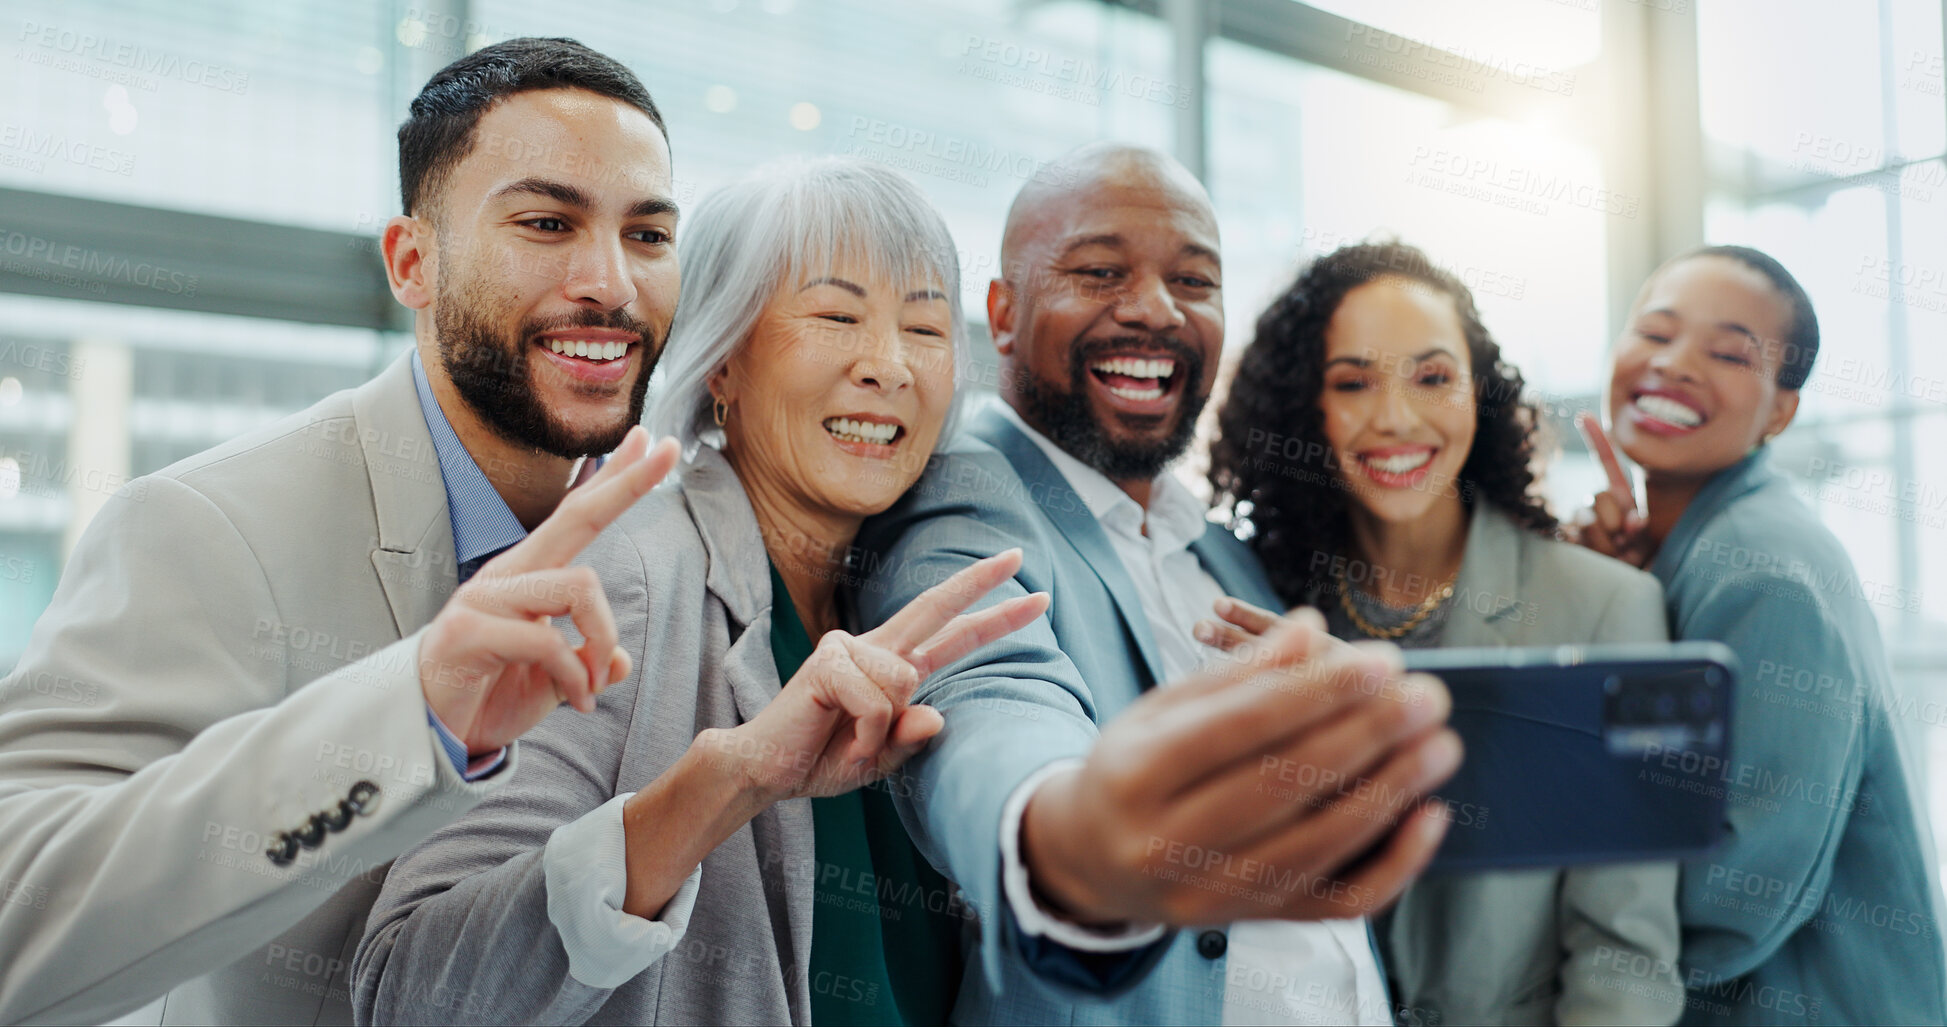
(1585, 754)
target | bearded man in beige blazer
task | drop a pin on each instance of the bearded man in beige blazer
(274, 666)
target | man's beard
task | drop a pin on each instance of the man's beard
(1068, 418)
(491, 373)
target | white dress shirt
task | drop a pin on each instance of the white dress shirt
(1276, 971)
(587, 865)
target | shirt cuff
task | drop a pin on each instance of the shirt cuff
(587, 867)
(469, 770)
(1035, 920)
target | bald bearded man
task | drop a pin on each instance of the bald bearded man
(1086, 811)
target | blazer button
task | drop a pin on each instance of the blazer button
(281, 849)
(311, 833)
(364, 798)
(1211, 944)
(339, 817)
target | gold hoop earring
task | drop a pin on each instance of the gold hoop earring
(721, 411)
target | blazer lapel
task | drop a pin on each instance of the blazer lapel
(750, 670)
(1077, 525)
(414, 551)
(1235, 568)
(739, 576)
(1487, 591)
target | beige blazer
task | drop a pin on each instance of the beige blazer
(230, 652)
(1542, 946)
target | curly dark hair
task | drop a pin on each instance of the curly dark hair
(1272, 464)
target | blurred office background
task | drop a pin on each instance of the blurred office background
(190, 195)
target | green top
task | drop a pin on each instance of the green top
(885, 926)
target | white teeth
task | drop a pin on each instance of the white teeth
(588, 350)
(1669, 411)
(1133, 368)
(1137, 394)
(1399, 464)
(850, 430)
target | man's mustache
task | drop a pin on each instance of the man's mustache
(618, 320)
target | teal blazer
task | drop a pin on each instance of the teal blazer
(1027, 700)
(1824, 904)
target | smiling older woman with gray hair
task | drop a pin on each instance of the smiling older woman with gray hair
(660, 860)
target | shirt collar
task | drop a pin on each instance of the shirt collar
(482, 521)
(1175, 517)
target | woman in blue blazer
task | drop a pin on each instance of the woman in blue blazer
(1823, 905)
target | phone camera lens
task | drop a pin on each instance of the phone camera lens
(1701, 704)
(1665, 705)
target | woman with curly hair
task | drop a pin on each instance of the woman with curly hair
(1378, 453)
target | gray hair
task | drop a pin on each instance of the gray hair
(789, 220)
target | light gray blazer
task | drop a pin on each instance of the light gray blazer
(1026, 700)
(461, 931)
(1546, 945)
(196, 686)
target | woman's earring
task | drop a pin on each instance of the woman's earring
(721, 410)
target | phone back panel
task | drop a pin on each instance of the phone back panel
(1585, 754)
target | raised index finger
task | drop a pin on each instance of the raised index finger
(1619, 482)
(904, 632)
(627, 477)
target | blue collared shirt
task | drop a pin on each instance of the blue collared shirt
(482, 524)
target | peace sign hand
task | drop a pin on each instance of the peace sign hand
(1612, 526)
(843, 721)
(492, 664)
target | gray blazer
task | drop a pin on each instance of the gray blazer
(461, 932)
(1546, 945)
(223, 659)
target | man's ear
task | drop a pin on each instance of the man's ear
(1784, 406)
(408, 248)
(1000, 315)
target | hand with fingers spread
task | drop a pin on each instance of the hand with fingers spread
(491, 664)
(1613, 525)
(1285, 782)
(843, 720)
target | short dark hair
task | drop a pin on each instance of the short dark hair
(1802, 336)
(438, 133)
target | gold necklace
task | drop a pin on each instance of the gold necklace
(1427, 606)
